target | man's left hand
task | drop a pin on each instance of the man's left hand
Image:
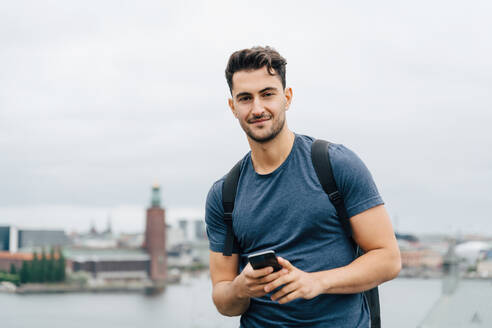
(296, 284)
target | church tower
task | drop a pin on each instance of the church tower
(155, 237)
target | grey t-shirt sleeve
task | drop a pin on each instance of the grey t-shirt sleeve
(214, 211)
(354, 181)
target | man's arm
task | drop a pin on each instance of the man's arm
(232, 291)
(373, 232)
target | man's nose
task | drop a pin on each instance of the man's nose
(257, 107)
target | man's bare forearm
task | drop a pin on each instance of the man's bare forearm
(364, 273)
(227, 300)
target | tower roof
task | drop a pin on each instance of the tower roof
(156, 195)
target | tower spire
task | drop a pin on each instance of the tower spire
(156, 195)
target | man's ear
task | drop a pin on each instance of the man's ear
(288, 97)
(231, 106)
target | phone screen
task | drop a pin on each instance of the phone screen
(264, 259)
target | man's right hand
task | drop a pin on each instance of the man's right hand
(251, 283)
(232, 291)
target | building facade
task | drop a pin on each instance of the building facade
(155, 237)
(13, 239)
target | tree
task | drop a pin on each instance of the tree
(25, 274)
(51, 267)
(60, 267)
(44, 267)
(13, 269)
(35, 269)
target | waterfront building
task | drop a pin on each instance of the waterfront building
(7, 259)
(484, 265)
(155, 237)
(183, 227)
(109, 265)
(108, 260)
(200, 230)
(13, 239)
(29, 239)
(130, 240)
(94, 239)
(421, 258)
(470, 251)
(188, 230)
(8, 239)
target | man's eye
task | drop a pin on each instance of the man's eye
(244, 98)
(268, 94)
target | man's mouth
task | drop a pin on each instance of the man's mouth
(259, 120)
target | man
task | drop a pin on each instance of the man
(281, 205)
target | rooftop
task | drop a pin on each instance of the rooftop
(15, 256)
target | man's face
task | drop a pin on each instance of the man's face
(259, 103)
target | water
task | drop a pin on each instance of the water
(404, 303)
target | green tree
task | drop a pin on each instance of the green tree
(60, 267)
(51, 276)
(35, 268)
(13, 269)
(43, 267)
(25, 272)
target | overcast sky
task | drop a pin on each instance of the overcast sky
(100, 99)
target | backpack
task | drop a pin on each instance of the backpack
(322, 165)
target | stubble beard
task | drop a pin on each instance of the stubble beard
(274, 131)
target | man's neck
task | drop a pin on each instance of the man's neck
(268, 156)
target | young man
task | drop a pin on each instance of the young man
(280, 205)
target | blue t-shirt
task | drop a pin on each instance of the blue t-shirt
(288, 211)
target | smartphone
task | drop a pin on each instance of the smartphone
(264, 259)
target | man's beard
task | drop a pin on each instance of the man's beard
(274, 131)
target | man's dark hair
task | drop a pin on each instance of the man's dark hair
(256, 58)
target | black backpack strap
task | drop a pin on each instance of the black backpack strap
(372, 298)
(229, 189)
(322, 166)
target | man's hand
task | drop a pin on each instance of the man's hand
(296, 284)
(232, 292)
(251, 283)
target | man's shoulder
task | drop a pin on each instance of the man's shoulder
(344, 161)
(338, 152)
(216, 188)
(304, 139)
(341, 153)
(217, 185)
(215, 191)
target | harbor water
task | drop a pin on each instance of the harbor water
(404, 303)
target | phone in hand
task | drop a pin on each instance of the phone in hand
(264, 259)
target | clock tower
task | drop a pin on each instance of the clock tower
(155, 237)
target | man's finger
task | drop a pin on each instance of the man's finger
(257, 290)
(287, 289)
(290, 297)
(260, 272)
(285, 264)
(284, 279)
(271, 277)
